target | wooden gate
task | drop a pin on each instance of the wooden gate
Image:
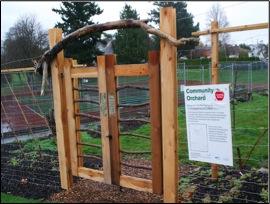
(65, 89)
(163, 99)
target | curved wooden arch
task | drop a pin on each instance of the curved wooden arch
(49, 55)
(43, 65)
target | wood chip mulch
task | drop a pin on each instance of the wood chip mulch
(87, 191)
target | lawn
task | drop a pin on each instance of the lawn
(8, 198)
(225, 75)
(19, 84)
(251, 120)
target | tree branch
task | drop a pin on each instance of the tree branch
(49, 55)
(86, 30)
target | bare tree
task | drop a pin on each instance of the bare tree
(217, 13)
(261, 50)
(25, 39)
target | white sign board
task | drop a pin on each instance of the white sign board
(208, 120)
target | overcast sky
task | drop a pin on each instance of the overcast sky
(238, 13)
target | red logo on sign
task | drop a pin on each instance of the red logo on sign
(219, 95)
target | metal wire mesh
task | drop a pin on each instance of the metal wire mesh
(249, 109)
(27, 116)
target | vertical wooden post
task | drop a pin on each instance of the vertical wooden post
(155, 110)
(71, 117)
(59, 99)
(214, 53)
(110, 61)
(169, 105)
(214, 77)
(76, 96)
(104, 119)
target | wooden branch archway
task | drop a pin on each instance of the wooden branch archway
(43, 65)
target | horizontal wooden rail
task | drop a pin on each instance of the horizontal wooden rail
(120, 70)
(131, 70)
(86, 72)
(95, 175)
(82, 71)
(139, 184)
(232, 29)
(11, 70)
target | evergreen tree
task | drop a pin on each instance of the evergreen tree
(74, 16)
(130, 45)
(184, 22)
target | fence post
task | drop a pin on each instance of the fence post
(202, 73)
(209, 72)
(251, 78)
(71, 117)
(110, 61)
(155, 110)
(59, 99)
(76, 96)
(169, 105)
(232, 73)
(184, 73)
(104, 119)
(214, 77)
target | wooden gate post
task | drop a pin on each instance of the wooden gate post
(155, 110)
(59, 99)
(76, 96)
(214, 76)
(110, 61)
(169, 105)
(104, 119)
(70, 111)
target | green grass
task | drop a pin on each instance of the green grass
(43, 144)
(8, 198)
(250, 115)
(207, 61)
(225, 76)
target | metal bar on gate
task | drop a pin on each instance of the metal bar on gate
(184, 73)
(202, 74)
(251, 72)
(232, 73)
(209, 68)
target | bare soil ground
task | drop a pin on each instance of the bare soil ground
(37, 176)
